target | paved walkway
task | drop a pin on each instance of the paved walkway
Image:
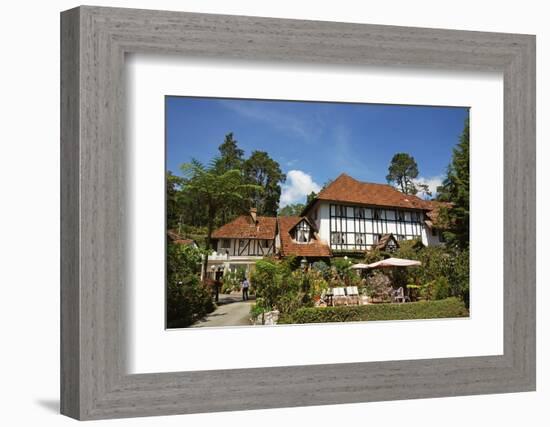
(231, 311)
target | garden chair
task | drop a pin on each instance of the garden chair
(339, 297)
(353, 294)
(399, 295)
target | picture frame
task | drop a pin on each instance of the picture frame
(94, 382)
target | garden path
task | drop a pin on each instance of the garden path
(231, 311)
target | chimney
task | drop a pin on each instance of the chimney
(253, 212)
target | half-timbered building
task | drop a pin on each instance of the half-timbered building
(243, 241)
(346, 216)
(354, 216)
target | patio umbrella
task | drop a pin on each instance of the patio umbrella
(359, 266)
(393, 262)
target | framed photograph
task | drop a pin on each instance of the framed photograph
(261, 213)
(254, 239)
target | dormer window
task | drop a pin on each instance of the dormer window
(303, 232)
(391, 246)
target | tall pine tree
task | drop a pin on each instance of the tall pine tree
(231, 156)
(456, 190)
(263, 171)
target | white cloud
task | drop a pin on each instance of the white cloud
(432, 183)
(297, 186)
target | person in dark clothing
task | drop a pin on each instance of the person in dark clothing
(245, 285)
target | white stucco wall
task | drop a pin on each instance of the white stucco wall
(323, 223)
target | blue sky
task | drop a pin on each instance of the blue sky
(315, 141)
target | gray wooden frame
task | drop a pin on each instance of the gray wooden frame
(94, 41)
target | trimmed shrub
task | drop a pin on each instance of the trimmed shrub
(447, 308)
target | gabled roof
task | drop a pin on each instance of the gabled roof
(244, 227)
(314, 248)
(174, 237)
(384, 240)
(349, 190)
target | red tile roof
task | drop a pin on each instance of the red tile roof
(349, 190)
(176, 238)
(315, 247)
(243, 227)
(433, 214)
(383, 242)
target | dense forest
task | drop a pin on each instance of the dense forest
(204, 197)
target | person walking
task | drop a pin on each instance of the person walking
(245, 285)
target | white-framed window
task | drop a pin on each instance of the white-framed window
(360, 239)
(400, 215)
(302, 232)
(359, 213)
(376, 214)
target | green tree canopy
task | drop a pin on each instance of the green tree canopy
(292, 210)
(456, 190)
(211, 190)
(311, 196)
(402, 173)
(264, 172)
(174, 208)
(231, 156)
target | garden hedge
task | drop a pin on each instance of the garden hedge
(450, 307)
